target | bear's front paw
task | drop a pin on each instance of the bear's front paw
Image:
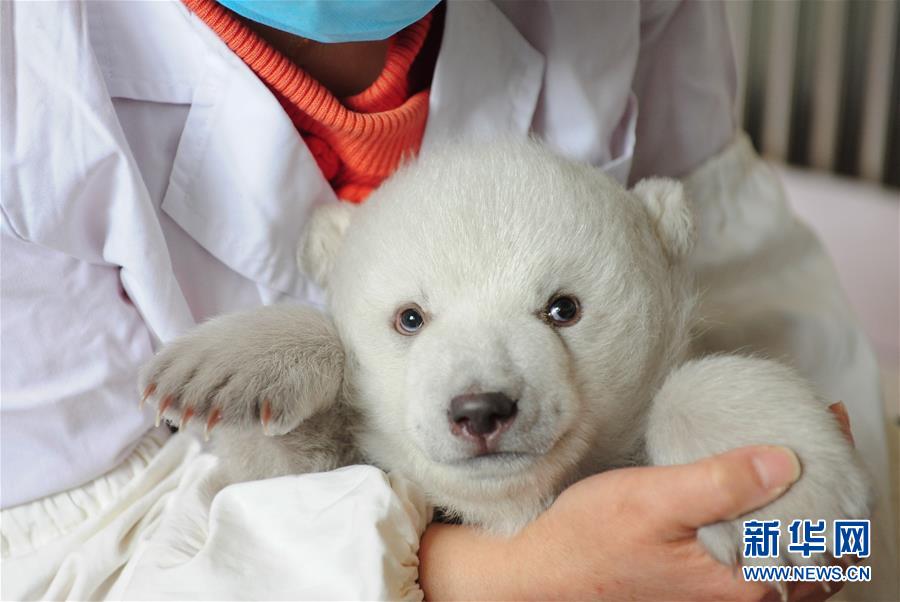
(823, 497)
(714, 404)
(274, 367)
(192, 383)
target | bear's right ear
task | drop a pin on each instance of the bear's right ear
(322, 239)
(667, 205)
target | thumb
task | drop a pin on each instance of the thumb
(718, 488)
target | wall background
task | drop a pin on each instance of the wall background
(820, 82)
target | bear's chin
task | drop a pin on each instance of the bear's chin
(501, 506)
(499, 493)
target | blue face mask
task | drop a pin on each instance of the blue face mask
(334, 20)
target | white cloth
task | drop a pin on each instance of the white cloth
(146, 531)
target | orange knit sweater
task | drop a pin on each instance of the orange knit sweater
(357, 141)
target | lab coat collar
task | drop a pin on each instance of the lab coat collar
(243, 182)
(487, 78)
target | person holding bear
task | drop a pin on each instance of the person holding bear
(201, 138)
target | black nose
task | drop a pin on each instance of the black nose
(481, 414)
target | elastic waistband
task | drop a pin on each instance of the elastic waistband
(26, 527)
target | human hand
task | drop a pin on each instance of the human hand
(840, 412)
(629, 533)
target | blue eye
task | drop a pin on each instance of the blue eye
(409, 320)
(563, 311)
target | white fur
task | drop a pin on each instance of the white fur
(322, 240)
(670, 214)
(717, 403)
(481, 238)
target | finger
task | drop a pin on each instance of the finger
(840, 412)
(681, 499)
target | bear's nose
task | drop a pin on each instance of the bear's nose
(480, 415)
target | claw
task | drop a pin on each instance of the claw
(185, 417)
(782, 590)
(265, 415)
(214, 417)
(163, 406)
(151, 388)
(825, 586)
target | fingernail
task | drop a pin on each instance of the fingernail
(843, 418)
(777, 467)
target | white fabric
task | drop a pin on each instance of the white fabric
(140, 154)
(147, 531)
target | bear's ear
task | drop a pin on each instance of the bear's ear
(667, 206)
(322, 239)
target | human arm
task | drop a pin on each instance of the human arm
(627, 533)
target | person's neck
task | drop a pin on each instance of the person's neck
(344, 69)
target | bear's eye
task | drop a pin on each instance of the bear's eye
(408, 320)
(563, 311)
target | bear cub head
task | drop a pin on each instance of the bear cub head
(507, 316)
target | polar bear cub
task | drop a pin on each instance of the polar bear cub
(502, 322)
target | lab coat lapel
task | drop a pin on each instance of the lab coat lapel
(243, 182)
(487, 78)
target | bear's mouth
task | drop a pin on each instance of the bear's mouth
(509, 460)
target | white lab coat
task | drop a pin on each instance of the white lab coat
(150, 181)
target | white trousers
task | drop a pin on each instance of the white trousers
(146, 530)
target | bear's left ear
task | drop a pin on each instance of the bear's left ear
(667, 206)
(322, 239)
